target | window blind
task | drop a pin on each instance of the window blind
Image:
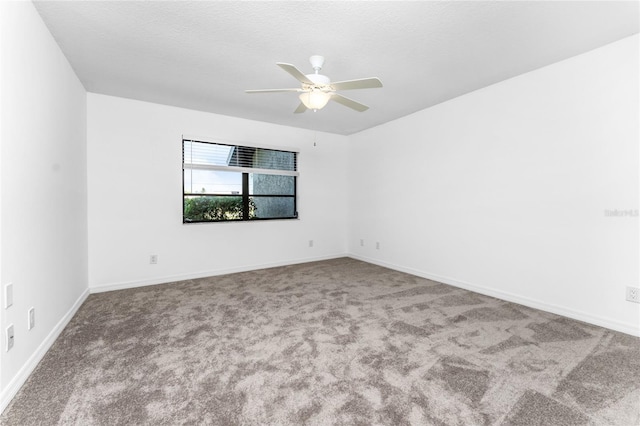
(238, 158)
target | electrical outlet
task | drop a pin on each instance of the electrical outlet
(633, 294)
(8, 295)
(310, 243)
(31, 318)
(10, 337)
(153, 259)
(377, 245)
(361, 243)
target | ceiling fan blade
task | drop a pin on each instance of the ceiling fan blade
(361, 83)
(349, 102)
(295, 72)
(301, 108)
(272, 90)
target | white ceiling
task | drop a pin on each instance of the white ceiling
(203, 55)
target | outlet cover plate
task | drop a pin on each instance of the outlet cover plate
(633, 294)
(10, 337)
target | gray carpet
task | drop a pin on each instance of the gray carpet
(336, 342)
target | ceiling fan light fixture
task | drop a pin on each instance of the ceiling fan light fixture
(315, 99)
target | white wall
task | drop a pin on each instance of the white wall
(43, 188)
(135, 197)
(503, 190)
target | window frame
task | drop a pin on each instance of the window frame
(245, 195)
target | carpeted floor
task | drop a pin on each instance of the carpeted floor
(336, 342)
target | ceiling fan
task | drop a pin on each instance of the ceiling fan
(317, 90)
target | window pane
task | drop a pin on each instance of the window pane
(207, 208)
(260, 184)
(272, 207)
(212, 182)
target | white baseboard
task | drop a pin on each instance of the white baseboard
(203, 274)
(23, 374)
(536, 304)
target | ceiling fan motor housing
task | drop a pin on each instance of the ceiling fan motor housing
(319, 79)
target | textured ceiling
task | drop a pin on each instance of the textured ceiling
(203, 55)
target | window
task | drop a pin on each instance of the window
(224, 182)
